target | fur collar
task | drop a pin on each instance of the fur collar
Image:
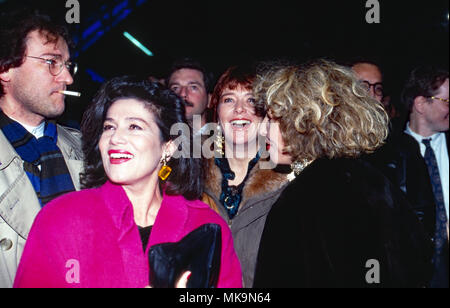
(259, 182)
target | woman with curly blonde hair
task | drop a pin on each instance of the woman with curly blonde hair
(340, 222)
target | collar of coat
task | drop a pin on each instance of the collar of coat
(259, 182)
(69, 142)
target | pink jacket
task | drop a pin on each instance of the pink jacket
(89, 239)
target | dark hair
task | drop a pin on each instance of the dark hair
(167, 108)
(422, 81)
(14, 29)
(233, 77)
(189, 63)
(353, 60)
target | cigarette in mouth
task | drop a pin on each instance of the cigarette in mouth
(70, 93)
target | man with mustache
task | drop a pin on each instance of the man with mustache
(39, 160)
(192, 82)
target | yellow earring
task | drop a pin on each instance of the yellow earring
(165, 170)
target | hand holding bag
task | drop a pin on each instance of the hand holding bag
(198, 252)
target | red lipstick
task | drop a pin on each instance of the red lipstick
(117, 157)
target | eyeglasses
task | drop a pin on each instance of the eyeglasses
(377, 87)
(445, 100)
(56, 65)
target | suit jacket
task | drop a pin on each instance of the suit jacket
(91, 235)
(19, 204)
(329, 224)
(413, 177)
(401, 161)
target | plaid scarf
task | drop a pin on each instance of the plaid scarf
(53, 179)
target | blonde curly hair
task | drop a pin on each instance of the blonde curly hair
(322, 110)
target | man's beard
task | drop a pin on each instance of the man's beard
(40, 105)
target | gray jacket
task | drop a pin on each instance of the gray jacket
(262, 189)
(19, 204)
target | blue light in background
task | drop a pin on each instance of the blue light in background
(94, 39)
(120, 7)
(95, 77)
(138, 44)
(91, 29)
(121, 17)
(103, 20)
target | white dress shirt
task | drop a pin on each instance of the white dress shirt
(439, 146)
(36, 131)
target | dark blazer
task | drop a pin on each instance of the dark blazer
(401, 161)
(404, 164)
(331, 220)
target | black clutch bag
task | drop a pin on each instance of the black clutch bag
(198, 252)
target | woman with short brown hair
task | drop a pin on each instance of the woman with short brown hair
(237, 185)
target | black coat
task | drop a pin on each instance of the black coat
(331, 220)
(401, 160)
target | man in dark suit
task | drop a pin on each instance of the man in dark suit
(419, 159)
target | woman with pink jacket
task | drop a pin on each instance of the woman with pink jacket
(140, 195)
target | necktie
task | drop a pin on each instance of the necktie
(441, 215)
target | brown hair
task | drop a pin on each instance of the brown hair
(14, 30)
(232, 78)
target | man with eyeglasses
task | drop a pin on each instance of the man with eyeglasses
(39, 160)
(419, 161)
(371, 78)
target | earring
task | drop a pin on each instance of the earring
(219, 142)
(165, 170)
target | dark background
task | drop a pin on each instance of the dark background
(223, 33)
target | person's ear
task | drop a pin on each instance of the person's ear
(5, 76)
(169, 150)
(419, 104)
